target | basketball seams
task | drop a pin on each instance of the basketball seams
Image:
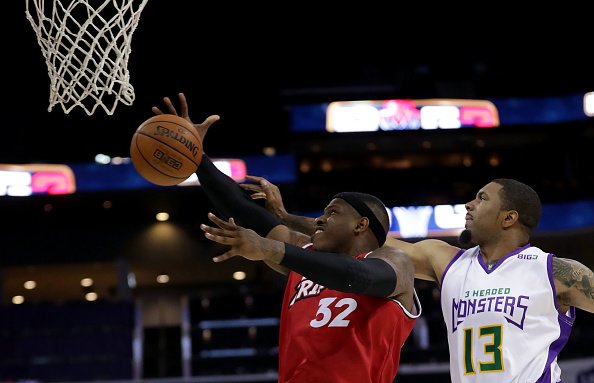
(190, 130)
(148, 160)
(149, 163)
(166, 149)
(166, 144)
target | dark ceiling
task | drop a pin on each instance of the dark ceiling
(248, 67)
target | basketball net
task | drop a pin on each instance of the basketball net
(86, 45)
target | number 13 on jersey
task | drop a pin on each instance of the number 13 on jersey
(490, 358)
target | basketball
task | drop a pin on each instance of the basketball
(166, 149)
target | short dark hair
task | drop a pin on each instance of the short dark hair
(518, 196)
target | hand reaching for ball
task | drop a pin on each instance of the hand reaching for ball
(201, 128)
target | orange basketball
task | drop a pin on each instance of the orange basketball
(166, 149)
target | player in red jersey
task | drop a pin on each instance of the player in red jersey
(328, 335)
(335, 327)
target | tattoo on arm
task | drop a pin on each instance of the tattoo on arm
(574, 275)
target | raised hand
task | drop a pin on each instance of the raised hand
(201, 128)
(243, 242)
(261, 188)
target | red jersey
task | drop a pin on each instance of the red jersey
(332, 337)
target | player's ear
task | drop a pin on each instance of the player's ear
(511, 216)
(362, 224)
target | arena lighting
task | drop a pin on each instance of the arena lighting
(25, 180)
(102, 159)
(424, 220)
(30, 179)
(420, 221)
(428, 114)
(30, 285)
(91, 296)
(162, 216)
(269, 151)
(162, 278)
(131, 278)
(433, 221)
(18, 299)
(589, 104)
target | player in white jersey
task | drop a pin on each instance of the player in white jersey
(508, 306)
(502, 322)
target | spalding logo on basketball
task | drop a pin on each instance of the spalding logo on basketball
(166, 149)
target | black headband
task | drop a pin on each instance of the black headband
(374, 223)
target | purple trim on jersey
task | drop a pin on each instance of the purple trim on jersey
(565, 326)
(552, 278)
(499, 262)
(458, 254)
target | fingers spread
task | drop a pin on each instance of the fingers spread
(258, 195)
(253, 178)
(223, 257)
(224, 237)
(222, 224)
(183, 105)
(251, 187)
(169, 105)
(210, 120)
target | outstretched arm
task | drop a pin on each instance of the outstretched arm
(429, 257)
(574, 283)
(232, 201)
(385, 273)
(227, 197)
(224, 193)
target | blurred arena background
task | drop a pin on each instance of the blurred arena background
(95, 288)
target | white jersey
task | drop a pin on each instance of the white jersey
(503, 324)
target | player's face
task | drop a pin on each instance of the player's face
(336, 227)
(484, 214)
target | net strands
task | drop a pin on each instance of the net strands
(86, 45)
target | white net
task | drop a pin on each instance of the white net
(86, 45)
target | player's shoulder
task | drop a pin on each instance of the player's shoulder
(387, 252)
(395, 257)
